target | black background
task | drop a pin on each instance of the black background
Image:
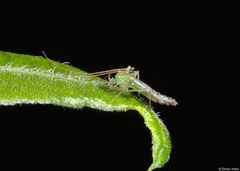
(181, 54)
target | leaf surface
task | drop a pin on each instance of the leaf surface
(30, 79)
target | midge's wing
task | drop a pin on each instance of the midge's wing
(93, 74)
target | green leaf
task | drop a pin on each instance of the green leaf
(29, 79)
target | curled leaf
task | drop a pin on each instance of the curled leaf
(30, 79)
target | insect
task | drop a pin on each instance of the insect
(128, 80)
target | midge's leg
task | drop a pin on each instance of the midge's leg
(80, 74)
(123, 89)
(70, 72)
(115, 97)
(111, 81)
(109, 78)
(136, 74)
(149, 97)
(139, 91)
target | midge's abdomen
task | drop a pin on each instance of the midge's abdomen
(151, 94)
(161, 99)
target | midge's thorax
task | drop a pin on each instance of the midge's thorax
(128, 81)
